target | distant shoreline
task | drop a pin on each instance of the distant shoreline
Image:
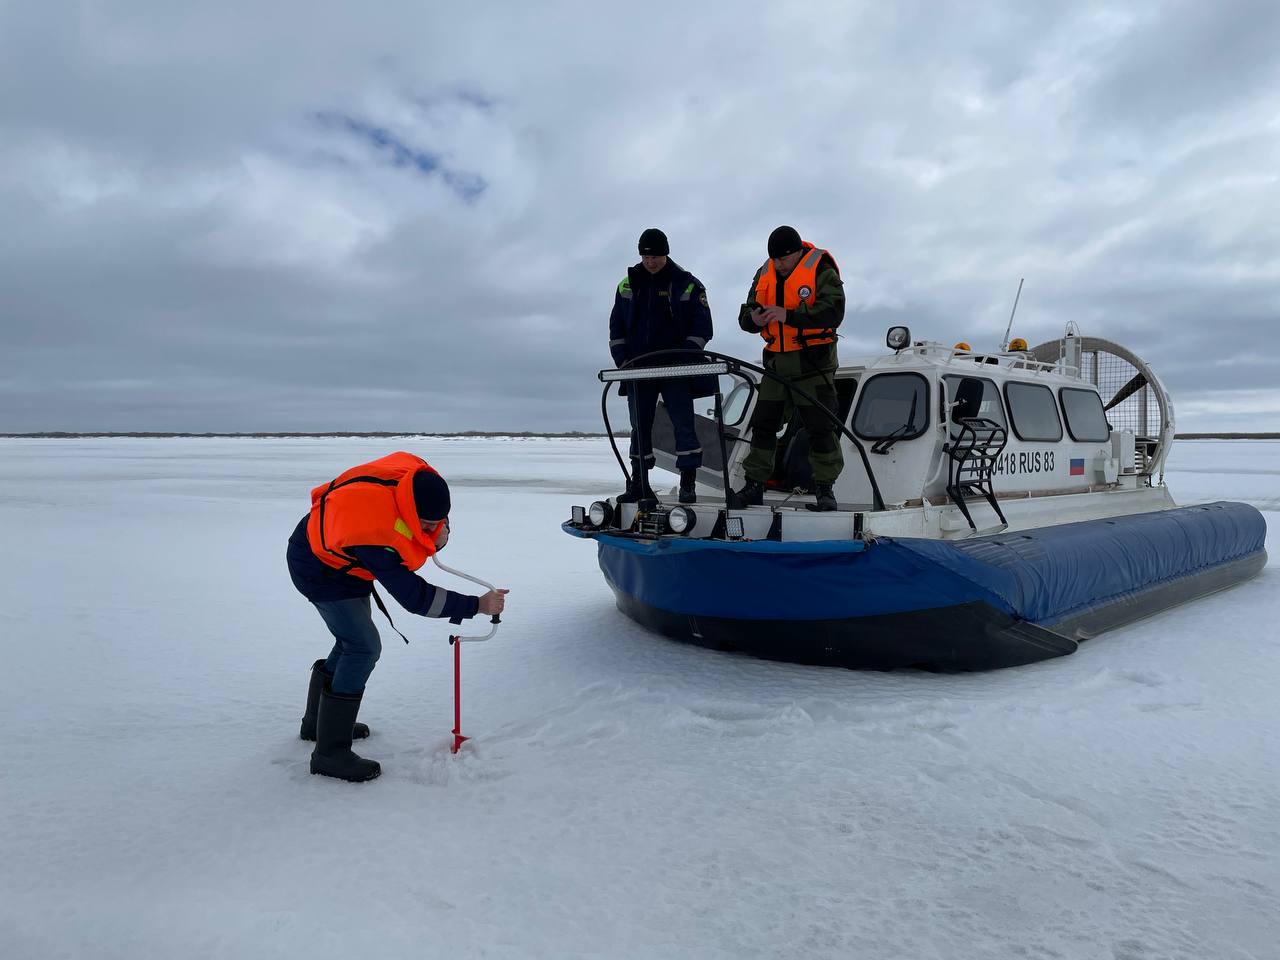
(1226, 436)
(285, 435)
(466, 434)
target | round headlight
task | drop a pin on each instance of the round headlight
(600, 513)
(898, 338)
(681, 520)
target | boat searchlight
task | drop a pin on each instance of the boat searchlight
(681, 520)
(600, 513)
(898, 338)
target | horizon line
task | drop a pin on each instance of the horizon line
(551, 435)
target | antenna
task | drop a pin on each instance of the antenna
(1004, 344)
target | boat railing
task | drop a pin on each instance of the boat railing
(1012, 361)
(700, 363)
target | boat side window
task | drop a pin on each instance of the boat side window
(991, 407)
(892, 404)
(1082, 409)
(1032, 411)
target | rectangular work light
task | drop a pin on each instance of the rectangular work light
(664, 373)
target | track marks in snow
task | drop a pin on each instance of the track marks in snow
(1071, 804)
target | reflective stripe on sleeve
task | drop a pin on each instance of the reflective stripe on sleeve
(438, 602)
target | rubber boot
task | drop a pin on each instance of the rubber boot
(639, 488)
(825, 499)
(688, 480)
(751, 495)
(308, 732)
(332, 756)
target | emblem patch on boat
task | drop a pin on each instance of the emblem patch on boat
(1077, 467)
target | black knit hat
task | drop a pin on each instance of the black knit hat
(783, 241)
(430, 495)
(653, 243)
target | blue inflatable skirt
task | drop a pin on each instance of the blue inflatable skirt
(973, 604)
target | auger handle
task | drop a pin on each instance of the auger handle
(494, 620)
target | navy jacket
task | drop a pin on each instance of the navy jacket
(662, 311)
(319, 582)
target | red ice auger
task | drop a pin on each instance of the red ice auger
(456, 642)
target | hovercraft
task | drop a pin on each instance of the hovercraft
(994, 510)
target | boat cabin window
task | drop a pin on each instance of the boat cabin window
(1032, 411)
(892, 405)
(1082, 410)
(734, 404)
(991, 408)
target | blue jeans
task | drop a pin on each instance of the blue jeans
(356, 647)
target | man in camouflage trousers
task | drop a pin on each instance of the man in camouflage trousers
(796, 302)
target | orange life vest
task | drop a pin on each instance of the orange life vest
(799, 287)
(370, 505)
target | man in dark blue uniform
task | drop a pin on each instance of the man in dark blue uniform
(660, 306)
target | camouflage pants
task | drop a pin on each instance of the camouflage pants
(810, 370)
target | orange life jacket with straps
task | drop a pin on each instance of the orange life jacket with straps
(370, 505)
(800, 287)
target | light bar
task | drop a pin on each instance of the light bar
(664, 373)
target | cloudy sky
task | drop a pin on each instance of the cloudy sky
(412, 216)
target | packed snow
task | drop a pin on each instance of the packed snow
(623, 795)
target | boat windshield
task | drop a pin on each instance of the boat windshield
(735, 404)
(892, 405)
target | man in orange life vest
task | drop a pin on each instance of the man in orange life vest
(379, 521)
(796, 302)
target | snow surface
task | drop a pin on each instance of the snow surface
(624, 796)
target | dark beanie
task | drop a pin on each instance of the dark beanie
(783, 241)
(653, 243)
(430, 495)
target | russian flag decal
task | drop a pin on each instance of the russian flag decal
(1077, 467)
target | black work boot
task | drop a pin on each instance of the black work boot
(688, 481)
(332, 756)
(308, 732)
(638, 489)
(751, 495)
(825, 498)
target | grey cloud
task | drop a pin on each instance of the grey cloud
(1181, 63)
(194, 251)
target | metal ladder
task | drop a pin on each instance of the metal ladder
(973, 454)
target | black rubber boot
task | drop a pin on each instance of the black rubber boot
(751, 495)
(825, 498)
(308, 732)
(332, 756)
(688, 480)
(639, 489)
